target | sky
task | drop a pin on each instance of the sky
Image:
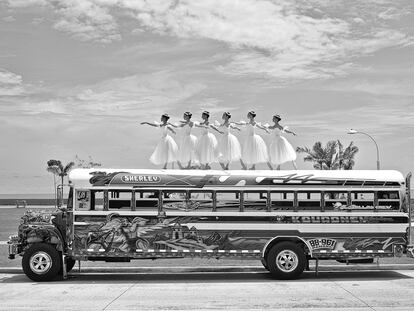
(78, 76)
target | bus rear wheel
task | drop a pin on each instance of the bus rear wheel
(286, 260)
(41, 262)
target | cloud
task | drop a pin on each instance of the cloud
(86, 21)
(126, 97)
(11, 84)
(396, 119)
(25, 3)
(382, 87)
(8, 19)
(130, 96)
(282, 40)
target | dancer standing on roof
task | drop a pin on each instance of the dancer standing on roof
(229, 145)
(187, 151)
(207, 145)
(254, 149)
(280, 150)
(166, 150)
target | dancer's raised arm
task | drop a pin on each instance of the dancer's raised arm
(262, 127)
(286, 130)
(232, 125)
(171, 129)
(216, 128)
(154, 124)
(241, 122)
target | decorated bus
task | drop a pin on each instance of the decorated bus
(283, 218)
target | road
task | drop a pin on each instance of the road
(359, 290)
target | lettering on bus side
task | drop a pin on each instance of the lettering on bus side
(130, 178)
(329, 219)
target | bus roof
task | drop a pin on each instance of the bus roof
(99, 177)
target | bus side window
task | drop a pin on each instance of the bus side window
(227, 201)
(200, 201)
(97, 200)
(282, 200)
(119, 200)
(146, 200)
(362, 200)
(175, 200)
(255, 201)
(336, 201)
(309, 201)
(388, 200)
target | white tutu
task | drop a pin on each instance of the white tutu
(254, 148)
(207, 147)
(229, 146)
(166, 150)
(188, 145)
(281, 150)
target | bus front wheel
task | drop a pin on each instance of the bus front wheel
(286, 260)
(41, 262)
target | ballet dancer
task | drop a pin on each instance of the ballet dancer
(187, 152)
(229, 145)
(280, 150)
(166, 150)
(254, 149)
(207, 145)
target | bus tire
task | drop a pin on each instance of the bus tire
(286, 260)
(41, 262)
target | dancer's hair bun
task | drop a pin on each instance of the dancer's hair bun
(166, 115)
(252, 113)
(188, 114)
(206, 113)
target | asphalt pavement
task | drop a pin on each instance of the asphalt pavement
(236, 290)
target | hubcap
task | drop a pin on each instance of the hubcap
(40, 262)
(287, 261)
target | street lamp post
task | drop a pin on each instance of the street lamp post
(352, 131)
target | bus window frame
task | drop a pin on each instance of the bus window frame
(210, 192)
(260, 192)
(293, 191)
(309, 192)
(117, 197)
(236, 192)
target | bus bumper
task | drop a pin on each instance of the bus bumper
(14, 244)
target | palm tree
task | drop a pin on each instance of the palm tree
(56, 168)
(345, 158)
(323, 157)
(330, 157)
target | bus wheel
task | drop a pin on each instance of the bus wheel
(286, 260)
(41, 262)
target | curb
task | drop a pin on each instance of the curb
(222, 269)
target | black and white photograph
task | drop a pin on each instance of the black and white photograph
(206, 155)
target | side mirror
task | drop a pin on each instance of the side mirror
(59, 196)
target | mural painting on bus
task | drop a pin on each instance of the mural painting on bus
(102, 178)
(115, 233)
